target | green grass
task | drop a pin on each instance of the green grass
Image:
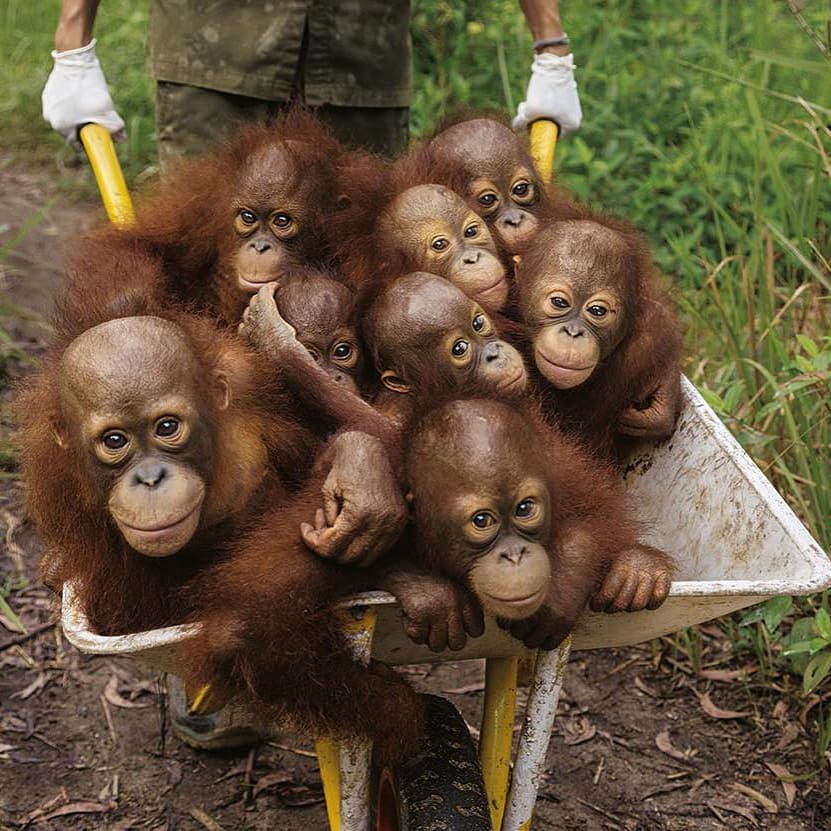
(704, 122)
(27, 32)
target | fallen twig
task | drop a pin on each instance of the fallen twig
(109, 716)
(203, 819)
(44, 627)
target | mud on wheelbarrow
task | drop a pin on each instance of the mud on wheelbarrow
(734, 540)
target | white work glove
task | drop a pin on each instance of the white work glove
(76, 94)
(552, 94)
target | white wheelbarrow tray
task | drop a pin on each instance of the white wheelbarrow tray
(734, 540)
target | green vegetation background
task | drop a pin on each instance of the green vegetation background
(704, 122)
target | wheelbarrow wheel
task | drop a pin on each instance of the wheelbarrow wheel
(441, 788)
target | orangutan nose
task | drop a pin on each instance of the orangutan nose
(149, 474)
(492, 351)
(471, 257)
(514, 555)
(261, 246)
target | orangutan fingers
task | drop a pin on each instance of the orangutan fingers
(643, 592)
(437, 640)
(456, 636)
(612, 585)
(623, 600)
(416, 630)
(472, 617)
(660, 590)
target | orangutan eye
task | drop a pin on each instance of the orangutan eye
(521, 189)
(342, 351)
(482, 520)
(460, 348)
(471, 230)
(167, 427)
(478, 323)
(525, 509)
(487, 199)
(247, 217)
(559, 302)
(114, 440)
(596, 310)
(439, 244)
(282, 220)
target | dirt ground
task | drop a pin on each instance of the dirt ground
(642, 740)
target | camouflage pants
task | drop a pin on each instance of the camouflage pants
(190, 120)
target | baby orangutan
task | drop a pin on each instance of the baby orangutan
(322, 313)
(429, 228)
(604, 342)
(488, 165)
(144, 446)
(219, 226)
(533, 527)
(397, 221)
(427, 338)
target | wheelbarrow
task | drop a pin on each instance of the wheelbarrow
(734, 540)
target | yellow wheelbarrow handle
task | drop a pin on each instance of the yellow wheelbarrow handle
(99, 146)
(543, 143)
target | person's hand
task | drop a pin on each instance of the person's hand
(552, 94)
(364, 511)
(76, 94)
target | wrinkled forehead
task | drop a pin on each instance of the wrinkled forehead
(427, 297)
(584, 254)
(272, 170)
(485, 442)
(315, 306)
(426, 204)
(483, 147)
(124, 362)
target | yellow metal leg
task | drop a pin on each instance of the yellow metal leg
(328, 759)
(497, 732)
(99, 146)
(348, 764)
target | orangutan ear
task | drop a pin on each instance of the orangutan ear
(59, 432)
(395, 382)
(222, 390)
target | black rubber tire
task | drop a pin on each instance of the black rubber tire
(442, 788)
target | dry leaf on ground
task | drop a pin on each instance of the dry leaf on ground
(645, 688)
(732, 808)
(279, 777)
(205, 820)
(664, 744)
(35, 687)
(726, 674)
(71, 808)
(768, 804)
(789, 733)
(468, 688)
(115, 698)
(716, 712)
(785, 779)
(578, 730)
